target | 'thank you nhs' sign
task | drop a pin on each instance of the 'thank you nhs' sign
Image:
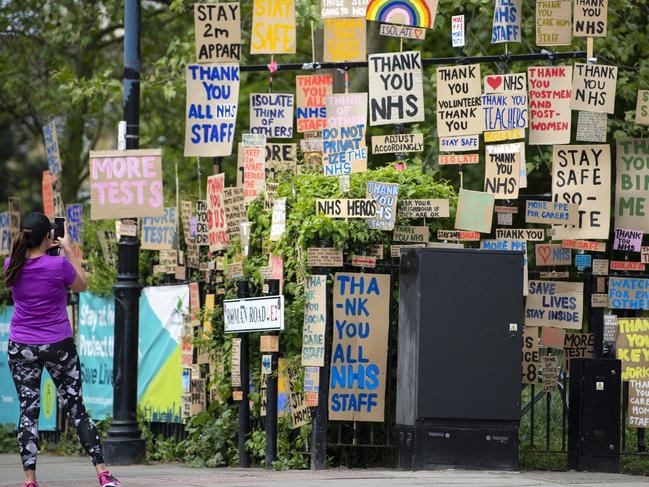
(253, 314)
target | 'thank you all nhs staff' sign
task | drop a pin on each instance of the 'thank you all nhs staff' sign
(253, 314)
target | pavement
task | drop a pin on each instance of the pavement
(77, 472)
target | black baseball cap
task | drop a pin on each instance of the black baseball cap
(38, 223)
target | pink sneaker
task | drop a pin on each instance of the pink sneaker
(107, 480)
(30, 484)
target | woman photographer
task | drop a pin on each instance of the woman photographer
(41, 336)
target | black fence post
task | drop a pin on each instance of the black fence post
(271, 392)
(243, 291)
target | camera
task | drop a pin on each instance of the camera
(58, 231)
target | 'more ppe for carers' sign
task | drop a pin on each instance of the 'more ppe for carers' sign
(126, 184)
(253, 314)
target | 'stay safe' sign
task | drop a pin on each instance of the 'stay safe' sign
(253, 314)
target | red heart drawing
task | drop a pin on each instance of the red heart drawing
(417, 33)
(494, 81)
(544, 252)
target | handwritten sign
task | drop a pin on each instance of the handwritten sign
(552, 254)
(359, 348)
(644, 254)
(551, 212)
(457, 235)
(474, 211)
(253, 314)
(584, 245)
(217, 32)
(300, 412)
(631, 188)
(271, 114)
(459, 101)
(505, 111)
(642, 108)
(631, 348)
(423, 209)
(74, 224)
(315, 320)
(14, 216)
(397, 143)
(593, 88)
(47, 180)
(217, 227)
(550, 93)
(461, 143)
(343, 8)
(311, 385)
(625, 265)
(581, 175)
(5, 234)
(553, 23)
(638, 408)
(346, 208)
(278, 221)
(254, 176)
(555, 303)
(410, 234)
(344, 40)
(417, 13)
(125, 184)
(396, 88)
(403, 32)
(531, 356)
(324, 257)
(344, 150)
(52, 148)
(235, 209)
(550, 373)
(590, 18)
(201, 235)
(457, 30)
(312, 91)
(385, 195)
(453, 159)
(591, 127)
(159, 232)
(627, 240)
(507, 22)
(502, 167)
(577, 345)
(346, 109)
(533, 234)
(273, 27)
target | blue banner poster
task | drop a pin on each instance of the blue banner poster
(9, 406)
(159, 371)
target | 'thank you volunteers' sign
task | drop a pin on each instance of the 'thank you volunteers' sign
(253, 314)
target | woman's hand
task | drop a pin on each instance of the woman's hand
(64, 242)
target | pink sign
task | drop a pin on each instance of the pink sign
(627, 240)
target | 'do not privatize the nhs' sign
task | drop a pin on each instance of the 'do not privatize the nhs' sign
(254, 314)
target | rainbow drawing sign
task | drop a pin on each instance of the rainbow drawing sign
(414, 13)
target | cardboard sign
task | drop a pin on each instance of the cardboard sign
(396, 88)
(344, 150)
(410, 234)
(505, 111)
(420, 13)
(553, 337)
(554, 275)
(610, 328)
(638, 411)
(591, 127)
(555, 303)
(599, 300)
(550, 93)
(279, 158)
(254, 175)
(550, 212)
(590, 18)
(14, 216)
(627, 240)
(644, 255)
(273, 27)
(315, 320)
(459, 101)
(593, 88)
(271, 115)
(235, 209)
(446, 159)
(623, 265)
(52, 148)
(531, 357)
(577, 345)
(583, 261)
(631, 347)
(553, 23)
(474, 211)
(235, 363)
(457, 30)
(460, 143)
(5, 234)
(345, 110)
(344, 208)
(504, 135)
(159, 233)
(108, 246)
(74, 224)
(300, 412)
(507, 22)
(343, 8)
(324, 257)
(631, 189)
(253, 314)
(217, 227)
(502, 167)
(201, 235)
(457, 235)
(397, 143)
(600, 267)
(642, 108)
(217, 30)
(403, 32)
(359, 348)
(395, 250)
(550, 373)
(312, 91)
(364, 261)
(186, 216)
(584, 245)
(506, 219)
(126, 184)
(385, 196)
(423, 209)
(311, 385)
(506, 209)
(212, 99)
(344, 40)
(552, 254)
(46, 187)
(581, 175)
(278, 221)
(533, 234)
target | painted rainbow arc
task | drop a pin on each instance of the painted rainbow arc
(414, 13)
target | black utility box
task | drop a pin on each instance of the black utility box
(459, 364)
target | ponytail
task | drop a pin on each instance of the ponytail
(17, 259)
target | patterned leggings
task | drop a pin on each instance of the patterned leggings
(26, 363)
